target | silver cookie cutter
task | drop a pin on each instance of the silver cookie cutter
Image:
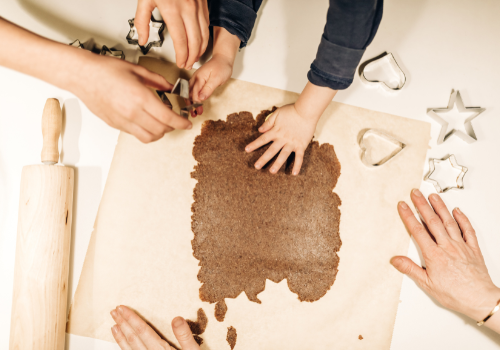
(456, 100)
(453, 161)
(77, 44)
(88, 45)
(369, 163)
(181, 88)
(105, 51)
(153, 23)
(383, 57)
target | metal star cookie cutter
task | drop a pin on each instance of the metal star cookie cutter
(105, 51)
(453, 161)
(181, 88)
(373, 132)
(157, 25)
(456, 100)
(383, 57)
(77, 44)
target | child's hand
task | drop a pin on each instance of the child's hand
(208, 77)
(289, 132)
(187, 23)
(291, 128)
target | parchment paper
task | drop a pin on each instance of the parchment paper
(140, 252)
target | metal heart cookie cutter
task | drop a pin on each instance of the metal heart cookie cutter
(181, 88)
(469, 135)
(400, 146)
(453, 161)
(133, 38)
(383, 58)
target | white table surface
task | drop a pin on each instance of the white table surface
(441, 44)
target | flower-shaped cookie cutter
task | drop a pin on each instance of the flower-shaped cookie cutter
(181, 88)
(456, 100)
(400, 146)
(388, 58)
(453, 161)
(159, 26)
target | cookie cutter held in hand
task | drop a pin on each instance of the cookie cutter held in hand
(379, 134)
(453, 161)
(153, 23)
(181, 88)
(455, 100)
(383, 57)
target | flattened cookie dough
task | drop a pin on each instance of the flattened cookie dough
(250, 225)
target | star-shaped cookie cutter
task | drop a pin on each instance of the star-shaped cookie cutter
(181, 88)
(368, 162)
(105, 51)
(77, 44)
(455, 100)
(383, 57)
(453, 161)
(157, 25)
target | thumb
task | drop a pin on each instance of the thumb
(212, 83)
(269, 123)
(142, 18)
(154, 80)
(183, 334)
(408, 267)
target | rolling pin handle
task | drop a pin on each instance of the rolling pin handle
(51, 129)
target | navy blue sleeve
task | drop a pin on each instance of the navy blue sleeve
(236, 16)
(350, 27)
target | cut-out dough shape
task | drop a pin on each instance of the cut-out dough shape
(379, 134)
(383, 58)
(455, 100)
(453, 161)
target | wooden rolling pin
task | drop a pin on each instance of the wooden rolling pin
(39, 303)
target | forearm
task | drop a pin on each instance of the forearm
(39, 57)
(313, 101)
(225, 44)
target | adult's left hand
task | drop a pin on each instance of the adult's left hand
(132, 333)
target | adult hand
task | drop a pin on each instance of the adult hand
(118, 93)
(187, 22)
(132, 333)
(455, 273)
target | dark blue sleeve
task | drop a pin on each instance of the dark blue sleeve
(236, 16)
(350, 28)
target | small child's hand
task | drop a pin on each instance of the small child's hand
(208, 77)
(289, 132)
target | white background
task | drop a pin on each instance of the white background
(441, 44)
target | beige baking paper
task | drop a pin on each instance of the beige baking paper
(140, 252)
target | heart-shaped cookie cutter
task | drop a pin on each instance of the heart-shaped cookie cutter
(383, 57)
(377, 133)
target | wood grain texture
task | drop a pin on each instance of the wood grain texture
(51, 129)
(42, 258)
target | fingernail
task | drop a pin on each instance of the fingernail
(403, 205)
(120, 310)
(190, 126)
(181, 66)
(257, 165)
(273, 170)
(203, 97)
(394, 259)
(113, 314)
(295, 173)
(189, 68)
(417, 193)
(247, 149)
(114, 329)
(178, 321)
(457, 209)
(433, 197)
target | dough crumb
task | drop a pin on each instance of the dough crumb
(360, 337)
(231, 336)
